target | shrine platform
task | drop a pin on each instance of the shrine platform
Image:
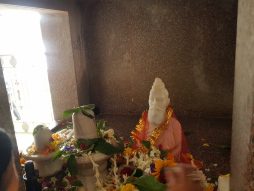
(209, 139)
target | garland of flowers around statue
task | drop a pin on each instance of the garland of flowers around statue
(141, 128)
(131, 169)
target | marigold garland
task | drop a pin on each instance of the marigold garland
(139, 133)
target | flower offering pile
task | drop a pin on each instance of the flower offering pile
(143, 169)
(129, 168)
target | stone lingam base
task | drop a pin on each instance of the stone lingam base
(45, 164)
(86, 171)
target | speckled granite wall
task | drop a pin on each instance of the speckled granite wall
(189, 44)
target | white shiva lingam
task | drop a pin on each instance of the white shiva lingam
(45, 164)
(85, 128)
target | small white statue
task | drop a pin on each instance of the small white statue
(158, 103)
(159, 125)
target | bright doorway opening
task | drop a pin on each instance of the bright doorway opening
(24, 64)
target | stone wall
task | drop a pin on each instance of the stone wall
(189, 44)
(6, 121)
(243, 114)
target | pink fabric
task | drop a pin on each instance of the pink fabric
(171, 138)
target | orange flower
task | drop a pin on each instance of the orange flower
(160, 164)
(128, 151)
(128, 187)
(22, 161)
(210, 187)
(55, 137)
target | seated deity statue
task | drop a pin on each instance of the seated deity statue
(159, 124)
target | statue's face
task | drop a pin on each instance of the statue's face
(158, 103)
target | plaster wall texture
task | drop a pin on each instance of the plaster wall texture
(243, 95)
(189, 44)
(60, 62)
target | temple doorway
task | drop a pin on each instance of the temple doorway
(24, 64)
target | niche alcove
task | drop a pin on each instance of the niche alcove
(128, 44)
(119, 47)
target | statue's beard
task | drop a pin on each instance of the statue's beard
(156, 116)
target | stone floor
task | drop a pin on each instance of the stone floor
(209, 139)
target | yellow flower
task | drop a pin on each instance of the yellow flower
(128, 187)
(53, 145)
(55, 137)
(128, 151)
(160, 164)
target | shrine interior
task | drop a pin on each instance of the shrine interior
(120, 47)
(130, 43)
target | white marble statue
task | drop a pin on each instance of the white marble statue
(159, 124)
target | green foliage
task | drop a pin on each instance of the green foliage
(100, 145)
(147, 144)
(85, 109)
(138, 172)
(72, 165)
(164, 153)
(149, 183)
(58, 154)
(101, 125)
(106, 148)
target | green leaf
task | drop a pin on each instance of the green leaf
(101, 124)
(164, 153)
(85, 109)
(72, 165)
(88, 110)
(138, 172)
(88, 106)
(58, 154)
(88, 113)
(149, 183)
(106, 148)
(147, 144)
(68, 113)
